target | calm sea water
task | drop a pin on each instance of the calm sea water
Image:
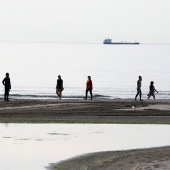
(34, 146)
(34, 68)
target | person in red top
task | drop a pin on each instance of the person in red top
(89, 87)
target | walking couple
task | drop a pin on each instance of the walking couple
(60, 88)
(152, 89)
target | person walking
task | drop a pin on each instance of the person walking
(139, 92)
(89, 87)
(152, 90)
(59, 87)
(7, 84)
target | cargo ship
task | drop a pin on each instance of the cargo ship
(109, 41)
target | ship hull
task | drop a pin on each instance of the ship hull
(136, 43)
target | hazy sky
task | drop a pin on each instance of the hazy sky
(85, 21)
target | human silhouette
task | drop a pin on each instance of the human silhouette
(139, 92)
(59, 87)
(89, 87)
(7, 83)
(152, 90)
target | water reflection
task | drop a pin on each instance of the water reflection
(33, 146)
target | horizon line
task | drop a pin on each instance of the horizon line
(74, 42)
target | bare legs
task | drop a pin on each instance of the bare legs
(139, 92)
(59, 93)
(149, 95)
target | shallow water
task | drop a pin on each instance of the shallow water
(34, 68)
(34, 146)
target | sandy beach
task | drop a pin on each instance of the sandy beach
(82, 111)
(97, 111)
(139, 159)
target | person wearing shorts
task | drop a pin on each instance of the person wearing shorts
(139, 92)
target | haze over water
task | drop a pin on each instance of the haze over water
(114, 69)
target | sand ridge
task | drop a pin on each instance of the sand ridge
(138, 159)
(165, 107)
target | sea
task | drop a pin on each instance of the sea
(114, 69)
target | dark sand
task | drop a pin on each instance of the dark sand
(80, 111)
(97, 111)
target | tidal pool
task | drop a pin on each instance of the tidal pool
(34, 146)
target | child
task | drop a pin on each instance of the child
(152, 90)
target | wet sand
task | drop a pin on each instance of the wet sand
(139, 159)
(82, 111)
(97, 111)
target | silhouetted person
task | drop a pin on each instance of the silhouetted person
(152, 90)
(89, 87)
(6, 82)
(139, 92)
(59, 87)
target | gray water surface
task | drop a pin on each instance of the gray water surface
(34, 146)
(114, 69)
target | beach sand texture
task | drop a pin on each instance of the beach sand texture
(81, 111)
(142, 159)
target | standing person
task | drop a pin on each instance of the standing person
(89, 87)
(59, 87)
(152, 90)
(139, 92)
(7, 83)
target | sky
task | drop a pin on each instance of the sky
(84, 21)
